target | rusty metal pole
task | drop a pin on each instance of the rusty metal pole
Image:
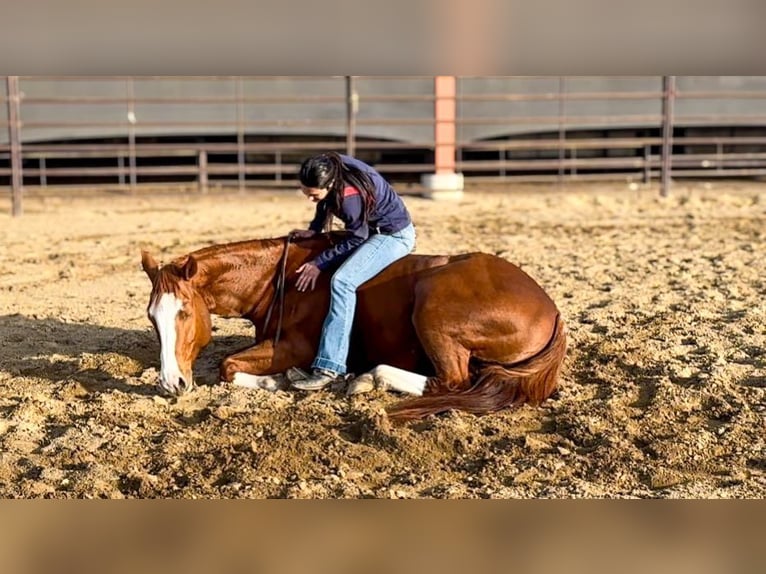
(14, 138)
(241, 133)
(132, 135)
(562, 129)
(202, 180)
(668, 98)
(352, 107)
(647, 164)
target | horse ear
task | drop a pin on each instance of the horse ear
(149, 264)
(189, 268)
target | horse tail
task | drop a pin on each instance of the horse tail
(496, 386)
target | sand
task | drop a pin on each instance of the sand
(663, 391)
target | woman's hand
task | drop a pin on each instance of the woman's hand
(301, 233)
(307, 276)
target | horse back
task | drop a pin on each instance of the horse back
(474, 292)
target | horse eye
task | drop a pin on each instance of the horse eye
(183, 314)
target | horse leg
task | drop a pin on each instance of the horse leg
(449, 358)
(450, 361)
(271, 383)
(387, 377)
(262, 365)
(451, 375)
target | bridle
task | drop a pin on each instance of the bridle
(279, 293)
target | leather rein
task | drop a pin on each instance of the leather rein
(279, 293)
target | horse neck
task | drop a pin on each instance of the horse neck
(234, 278)
(239, 279)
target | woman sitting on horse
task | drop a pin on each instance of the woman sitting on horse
(379, 231)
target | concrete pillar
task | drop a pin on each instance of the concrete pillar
(445, 183)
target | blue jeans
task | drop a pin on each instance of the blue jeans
(367, 260)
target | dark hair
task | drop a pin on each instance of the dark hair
(327, 171)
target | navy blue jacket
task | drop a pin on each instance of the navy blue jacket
(389, 216)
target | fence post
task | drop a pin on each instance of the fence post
(668, 98)
(240, 134)
(203, 171)
(132, 135)
(562, 127)
(647, 164)
(352, 107)
(43, 172)
(14, 139)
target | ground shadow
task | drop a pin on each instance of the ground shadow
(55, 350)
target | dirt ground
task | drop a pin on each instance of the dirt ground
(663, 392)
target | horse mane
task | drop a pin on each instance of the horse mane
(223, 249)
(219, 258)
(318, 242)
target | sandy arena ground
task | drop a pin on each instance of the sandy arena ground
(663, 392)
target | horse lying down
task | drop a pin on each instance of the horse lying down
(471, 332)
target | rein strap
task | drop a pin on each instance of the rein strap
(279, 295)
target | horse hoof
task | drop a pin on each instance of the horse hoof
(273, 383)
(362, 384)
(267, 382)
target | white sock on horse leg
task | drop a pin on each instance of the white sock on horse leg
(268, 382)
(399, 379)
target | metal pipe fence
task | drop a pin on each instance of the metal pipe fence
(244, 132)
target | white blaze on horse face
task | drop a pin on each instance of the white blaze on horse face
(164, 312)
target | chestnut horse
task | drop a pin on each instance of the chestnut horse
(471, 332)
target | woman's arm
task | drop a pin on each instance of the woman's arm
(320, 216)
(357, 229)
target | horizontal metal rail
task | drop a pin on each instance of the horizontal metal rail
(249, 131)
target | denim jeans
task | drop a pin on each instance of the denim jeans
(367, 260)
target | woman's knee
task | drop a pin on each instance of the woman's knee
(342, 283)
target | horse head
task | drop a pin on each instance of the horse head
(180, 318)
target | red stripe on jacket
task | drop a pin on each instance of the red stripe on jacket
(348, 191)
